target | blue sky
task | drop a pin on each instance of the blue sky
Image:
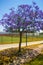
(5, 5)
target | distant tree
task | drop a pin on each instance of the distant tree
(32, 15)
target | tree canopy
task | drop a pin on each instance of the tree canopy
(26, 16)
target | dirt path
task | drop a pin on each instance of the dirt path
(40, 47)
(5, 46)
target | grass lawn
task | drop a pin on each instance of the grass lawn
(37, 61)
(15, 39)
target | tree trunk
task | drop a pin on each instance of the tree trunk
(20, 41)
(26, 38)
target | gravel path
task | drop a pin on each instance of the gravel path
(5, 46)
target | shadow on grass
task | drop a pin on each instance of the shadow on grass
(36, 61)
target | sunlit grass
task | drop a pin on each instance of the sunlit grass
(15, 39)
(37, 61)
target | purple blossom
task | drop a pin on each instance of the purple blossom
(25, 16)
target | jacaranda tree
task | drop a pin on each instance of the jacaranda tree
(13, 21)
(26, 17)
(36, 16)
(31, 14)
